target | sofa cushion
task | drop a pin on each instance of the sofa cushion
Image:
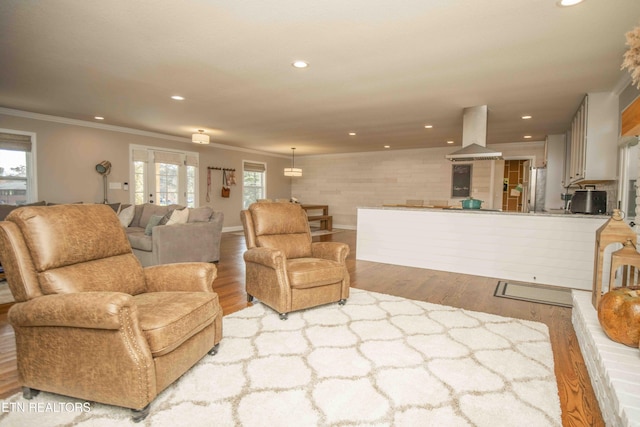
(310, 272)
(201, 214)
(139, 240)
(126, 216)
(5, 209)
(179, 216)
(168, 319)
(136, 216)
(165, 219)
(153, 221)
(148, 211)
(120, 273)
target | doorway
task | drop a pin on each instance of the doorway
(514, 179)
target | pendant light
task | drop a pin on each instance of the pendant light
(200, 137)
(293, 171)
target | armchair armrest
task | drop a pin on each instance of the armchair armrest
(273, 258)
(334, 251)
(92, 310)
(181, 277)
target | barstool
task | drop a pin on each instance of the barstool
(629, 259)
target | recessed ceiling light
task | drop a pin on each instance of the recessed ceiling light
(178, 97)
(527, 137)
(300, 64)
(352, 134)
(449, 142)
(428, 126)
(567, 3)
(526, 117)
(99, 118)
(387, 146)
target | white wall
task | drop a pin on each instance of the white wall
(555, 171)
(69, 150)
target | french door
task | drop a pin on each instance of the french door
(164, 177)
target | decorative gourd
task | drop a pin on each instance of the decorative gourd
(619, 315)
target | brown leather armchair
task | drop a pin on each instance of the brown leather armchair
(284, 268)
(89, 321)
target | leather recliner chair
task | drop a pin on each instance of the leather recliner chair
(284, 268)
(89, 321)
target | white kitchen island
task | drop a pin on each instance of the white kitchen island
(544, 248)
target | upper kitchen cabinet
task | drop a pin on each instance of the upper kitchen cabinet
(631, 119)
(594, 134)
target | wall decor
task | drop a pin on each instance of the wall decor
(461, 180)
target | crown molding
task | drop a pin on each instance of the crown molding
(621, 84)
(122, 129)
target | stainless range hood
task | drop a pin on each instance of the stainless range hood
(474, 137)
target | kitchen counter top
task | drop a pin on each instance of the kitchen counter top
(547, 248)
(555, 212)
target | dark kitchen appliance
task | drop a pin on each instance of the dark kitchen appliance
(589, 202)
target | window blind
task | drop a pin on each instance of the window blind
(254, 167)
(192, 160)
(167, 158)
(140, 156)
(15, 142)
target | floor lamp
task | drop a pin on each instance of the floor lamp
(103, 168)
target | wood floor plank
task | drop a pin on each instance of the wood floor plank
(577, 399)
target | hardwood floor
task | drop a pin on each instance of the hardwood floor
(578, 402)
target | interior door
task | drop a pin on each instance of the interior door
(526, 186)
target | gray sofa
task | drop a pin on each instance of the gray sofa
(196, 240)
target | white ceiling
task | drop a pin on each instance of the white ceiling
(380, 68)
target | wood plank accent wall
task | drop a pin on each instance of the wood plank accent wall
(631, 119)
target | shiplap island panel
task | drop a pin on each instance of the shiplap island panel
(551, 249)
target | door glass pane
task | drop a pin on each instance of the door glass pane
(166, 184)
(139, 169)
(191, 186)
(13, 177)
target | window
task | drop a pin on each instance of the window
(254, 184)
(164, 177)
(17, 171)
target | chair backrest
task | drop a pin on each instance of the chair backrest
(281, 226)
(67, 248)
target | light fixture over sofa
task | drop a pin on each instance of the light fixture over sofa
(200, 137)
(293, 171)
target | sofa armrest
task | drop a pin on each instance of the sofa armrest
(334, 251)
(190, 242)
(181, 277)
(92, 310)
(272, 258)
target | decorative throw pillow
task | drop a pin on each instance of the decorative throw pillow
(165, 219)
(126, 216)
(179, 217)
(153, 221)
(201, 214)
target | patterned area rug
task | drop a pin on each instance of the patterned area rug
(379, 360)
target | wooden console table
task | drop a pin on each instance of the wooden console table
(326, 220)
